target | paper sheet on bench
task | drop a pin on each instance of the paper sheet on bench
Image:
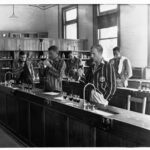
(59, 98)
(62, 99)
(103, 113)
(50, 93)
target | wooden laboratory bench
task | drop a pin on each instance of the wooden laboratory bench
(41, 121)
(121, 96)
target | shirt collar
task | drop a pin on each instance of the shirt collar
(99, 65)
(102, 61)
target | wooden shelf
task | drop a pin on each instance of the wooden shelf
(84, 59)
(65, 58)
(6, 68)
(32, 50)
(33, 59)
(36, 67)
(75, 51)
(5, 50)
(82, 51)
(65, 51)
(6, 59)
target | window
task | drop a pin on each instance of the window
(107, 31)
(104, 8)
(70, 23)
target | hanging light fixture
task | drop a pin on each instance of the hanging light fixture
(13, 14)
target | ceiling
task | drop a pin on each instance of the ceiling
(43, 6)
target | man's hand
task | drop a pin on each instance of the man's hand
(98, 98)
(47, 63)
(80, 72)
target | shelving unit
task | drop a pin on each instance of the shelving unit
(6, 62)
(10, 45)
(84, 56)
(12, 34)
(7, 59)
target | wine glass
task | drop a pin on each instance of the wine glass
(64, 95)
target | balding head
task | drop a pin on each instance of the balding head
(98, 47)
(96, 52)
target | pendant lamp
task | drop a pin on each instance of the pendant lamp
(13, 13)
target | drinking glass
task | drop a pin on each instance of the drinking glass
(64, 94)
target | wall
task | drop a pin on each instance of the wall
(29, 18)
(148, 36)
(133, 31)
(133, 26)
(54, 26)
(86, 23)
(51, 16)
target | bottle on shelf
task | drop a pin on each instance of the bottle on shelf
(63, 55)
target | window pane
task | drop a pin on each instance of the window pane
(108, 46)
(99, 33)
(107, 7)
(71, 31)
(71, 14)
(108, 32)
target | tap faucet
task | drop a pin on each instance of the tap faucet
(6, 76)
(84, 92)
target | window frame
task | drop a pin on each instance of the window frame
(117, 10)
(65, 23)
(96, 19)
(108, 11)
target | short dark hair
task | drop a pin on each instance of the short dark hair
(22, 53)
(98, 47)
(53, 48)
(116, 49)
(41, 53)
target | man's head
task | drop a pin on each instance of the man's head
(70, 55)
(116, 52)
(96, 53)
(53, 52)
(22, 56)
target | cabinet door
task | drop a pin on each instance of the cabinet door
(106, 139)
(2, 44)
(20, 44)
(55, 129)
(3, 107)
(80, 134)
(23, 107)
(10, 44)
(36, 124)
(101, 138)
(12, 112)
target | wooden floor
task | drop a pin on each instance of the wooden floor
(7, 140)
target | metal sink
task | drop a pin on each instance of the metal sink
(105, 113)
